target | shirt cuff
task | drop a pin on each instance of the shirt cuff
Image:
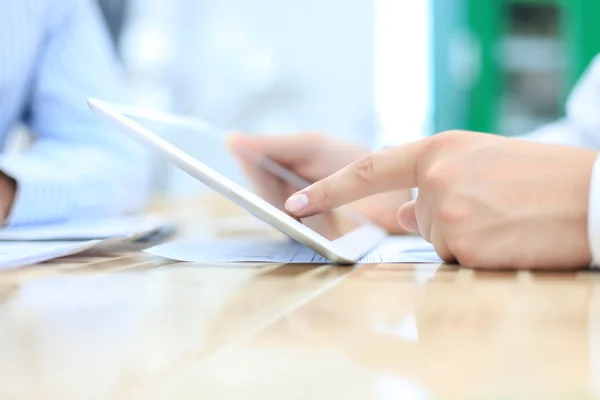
(40, 196)
(594, 215)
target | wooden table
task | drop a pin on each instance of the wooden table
(130, 326)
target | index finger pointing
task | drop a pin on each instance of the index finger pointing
(387, 170)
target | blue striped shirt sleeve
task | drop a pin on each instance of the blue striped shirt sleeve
(77, 166)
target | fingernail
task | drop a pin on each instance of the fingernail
(296, 203)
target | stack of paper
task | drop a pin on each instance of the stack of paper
(27, 245)
(85, 229)
(18, 254)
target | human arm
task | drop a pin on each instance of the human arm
(76, 166)
(581, 125)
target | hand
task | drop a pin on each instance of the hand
(8, 189)
(311, 156)
(484, 200)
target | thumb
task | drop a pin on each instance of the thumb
(407, 217)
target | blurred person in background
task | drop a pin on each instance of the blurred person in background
(483, 200)
(53, 56)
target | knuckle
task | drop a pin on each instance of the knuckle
(447, 212)
(453, 212)
(453, 137)
(445, 140)
(446, 256)
(363, 169)
(437, 175)
(464, 250)
(452, 134)
(323, 193)
(441, 249)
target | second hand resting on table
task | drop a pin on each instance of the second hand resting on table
(484, 200)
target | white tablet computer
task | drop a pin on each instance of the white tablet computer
(340, 236)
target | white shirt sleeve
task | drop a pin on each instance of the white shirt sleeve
(594, 215)
(77, 166)
(581, 128)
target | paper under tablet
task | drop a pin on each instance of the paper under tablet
(393, 249)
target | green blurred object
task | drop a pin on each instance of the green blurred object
(506, 66)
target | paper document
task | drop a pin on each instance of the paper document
(85, 229)
(394, 249)
(18, 254)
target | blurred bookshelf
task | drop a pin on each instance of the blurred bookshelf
(507, 66)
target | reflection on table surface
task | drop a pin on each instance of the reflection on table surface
(129, 326)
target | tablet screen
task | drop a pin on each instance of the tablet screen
(249, 169)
